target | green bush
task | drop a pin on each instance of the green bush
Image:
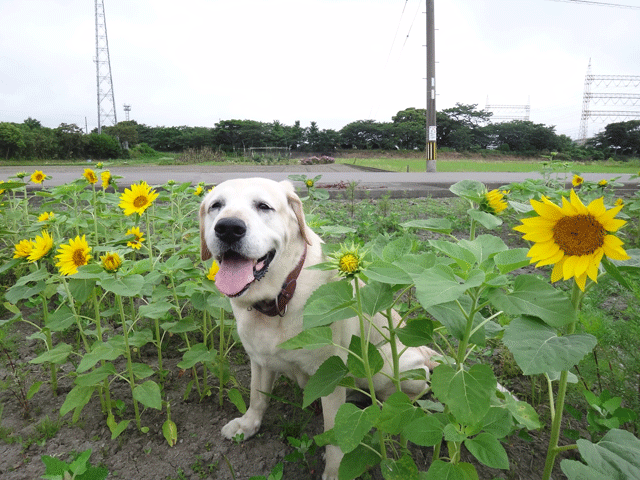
(102, 146)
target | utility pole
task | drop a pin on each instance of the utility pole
(431, 90)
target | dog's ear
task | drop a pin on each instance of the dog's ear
(296, 206)
(205, 253)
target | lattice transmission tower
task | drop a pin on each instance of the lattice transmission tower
(106, 100)
(505, 113)
(624, 96)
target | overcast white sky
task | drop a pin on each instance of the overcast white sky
(196, 62)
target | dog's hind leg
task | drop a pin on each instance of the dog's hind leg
(262, 380)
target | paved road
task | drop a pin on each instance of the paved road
(335, 177)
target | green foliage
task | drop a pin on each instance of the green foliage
(102, 147)
(615, 457)
(461, 287)
(460, 128)
(11, 140)
(78, 469)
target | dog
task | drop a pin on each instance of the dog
(255, 229)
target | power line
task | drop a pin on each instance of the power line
(412, 22)
(598, 4)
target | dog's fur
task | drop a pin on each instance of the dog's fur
(262, 220)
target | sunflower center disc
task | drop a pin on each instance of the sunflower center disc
(79, 258)
(140, 201)
(579, 234)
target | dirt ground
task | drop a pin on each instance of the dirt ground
(201, 452)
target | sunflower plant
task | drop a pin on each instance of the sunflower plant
(82, 266)
(465, 294)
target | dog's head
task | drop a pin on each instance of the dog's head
(252, 227)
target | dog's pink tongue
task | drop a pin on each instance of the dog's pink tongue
(234, 275)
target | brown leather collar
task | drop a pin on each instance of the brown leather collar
(278, 306)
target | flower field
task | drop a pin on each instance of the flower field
(123, 327)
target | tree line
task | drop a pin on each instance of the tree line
(463, 128)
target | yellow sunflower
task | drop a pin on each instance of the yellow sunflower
(494, 202)
(1, 189)
(73, 255)
(213, 271)
(348, 260)
(38, 176)
(46, 216)
(577, 180)
(136, 242)
(137, 199)
(41, 246)
(22, 249)
(111, 262)
(573, 237)
(106, 179)
(198, 191)
(603, 183)
(90, 176)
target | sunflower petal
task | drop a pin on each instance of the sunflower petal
(551, 260)
(569, 267)
(577, 204)
(547, 209)
(596, 207)
(613, 248)
(556, 273)
(582, 264)
(592, 270)
(542, 251)
(581, 281)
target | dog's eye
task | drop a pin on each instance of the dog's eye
(215, 206)
(265, 207)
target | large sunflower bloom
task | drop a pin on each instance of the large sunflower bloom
(73, 255)
(573, 237)
(41, 246)
(137, 199)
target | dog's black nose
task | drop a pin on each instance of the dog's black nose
(230, 230)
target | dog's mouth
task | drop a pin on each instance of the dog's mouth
(237, 272)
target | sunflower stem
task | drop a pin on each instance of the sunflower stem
(95, 215)
(364, 346)
(105, 386)
(556, 424)
(127, 352)
(221, 361)
(49, 340)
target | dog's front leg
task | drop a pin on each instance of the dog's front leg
(333, 455)
(262, 380)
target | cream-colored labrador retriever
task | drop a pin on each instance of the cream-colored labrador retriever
(256, 231)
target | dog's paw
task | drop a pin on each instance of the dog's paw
(241, 426)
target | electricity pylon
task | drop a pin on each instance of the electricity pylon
(106, 100)
(619, 97)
